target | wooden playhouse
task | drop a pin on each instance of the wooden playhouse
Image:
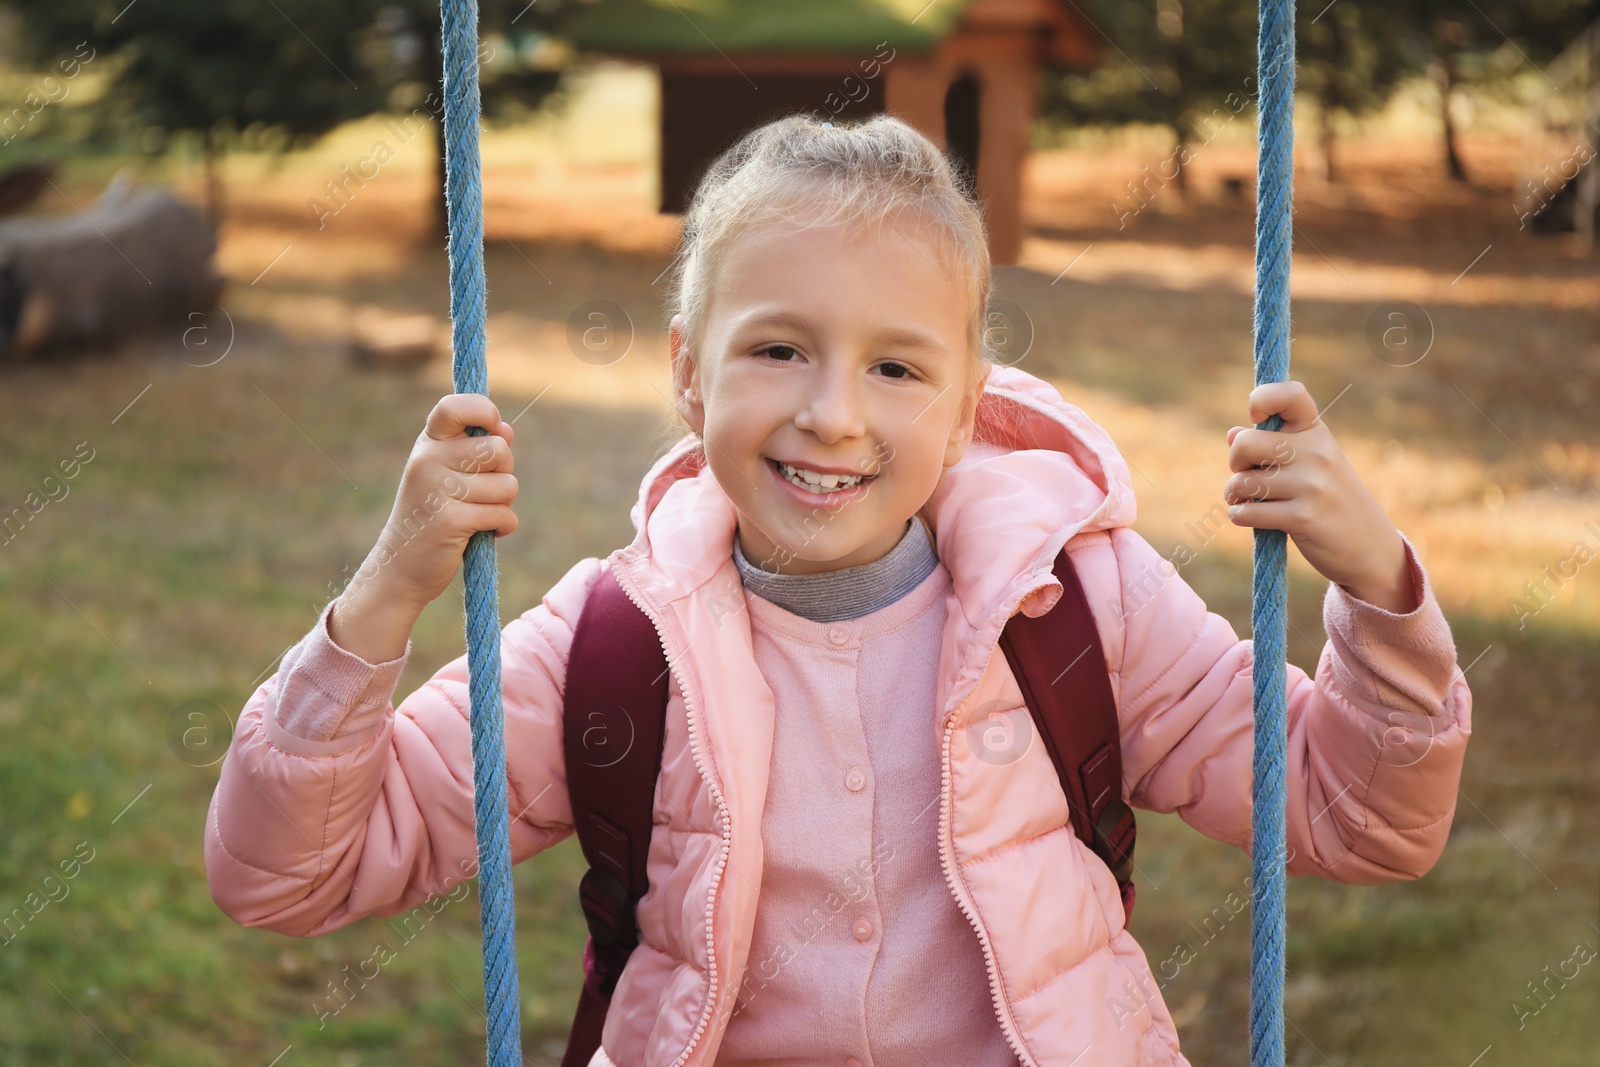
(965, 72)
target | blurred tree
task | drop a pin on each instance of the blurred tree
(1484, 43)
(521, 61)
(1184, 64)
(281, 73)
(1350, 60)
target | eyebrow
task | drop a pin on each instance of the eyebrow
(889, 335)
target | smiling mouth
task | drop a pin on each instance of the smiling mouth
(821, 484)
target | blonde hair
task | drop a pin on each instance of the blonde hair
(796, 171)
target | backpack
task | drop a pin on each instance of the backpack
(614, 726)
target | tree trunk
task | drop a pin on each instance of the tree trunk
(1182, 108)
(1333, 93)
(1445, 79)
(137, 260)
(214, 189)
(1325, 134)
(438, 216)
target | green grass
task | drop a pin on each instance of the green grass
(176, 580)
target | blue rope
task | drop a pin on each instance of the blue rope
(1270, 601)
(468, 309)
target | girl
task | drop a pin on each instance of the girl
(841, 872)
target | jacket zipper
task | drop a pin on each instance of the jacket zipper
(958, 886)
(625, 582)
(955, 883)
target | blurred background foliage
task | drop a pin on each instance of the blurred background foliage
(1175, 62)
(264, 75)
(279, 74)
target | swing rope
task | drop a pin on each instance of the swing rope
(1269, 610)
(1269, 606)
(468, 310)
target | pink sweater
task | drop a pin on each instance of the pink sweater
(860, 954)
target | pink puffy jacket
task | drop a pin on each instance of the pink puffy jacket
(374, 817)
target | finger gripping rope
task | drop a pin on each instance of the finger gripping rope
(1269, 602)
(464, 199)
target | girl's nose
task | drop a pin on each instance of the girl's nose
(832, 407)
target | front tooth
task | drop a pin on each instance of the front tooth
(821, 481)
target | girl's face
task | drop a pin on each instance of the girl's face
(842, 354)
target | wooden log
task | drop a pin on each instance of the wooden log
(137, 261)
(22, 184)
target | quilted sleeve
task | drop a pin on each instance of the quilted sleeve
(1376, 739)
(334, 804)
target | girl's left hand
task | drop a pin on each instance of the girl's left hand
(1297, 479)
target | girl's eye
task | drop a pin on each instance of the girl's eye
(788, 354)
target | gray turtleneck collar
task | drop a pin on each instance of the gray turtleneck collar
(850, 593)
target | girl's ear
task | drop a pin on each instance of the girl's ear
(961, 432)
(685, 387)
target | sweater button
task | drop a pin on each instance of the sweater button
(855, 780)
(839, 634)
(862, 929)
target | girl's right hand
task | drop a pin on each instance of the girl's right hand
(453, 486)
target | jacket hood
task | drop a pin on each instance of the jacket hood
(1039, 471)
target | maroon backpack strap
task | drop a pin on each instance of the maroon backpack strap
(615, 714)
(1060, 667)
(614, 725)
